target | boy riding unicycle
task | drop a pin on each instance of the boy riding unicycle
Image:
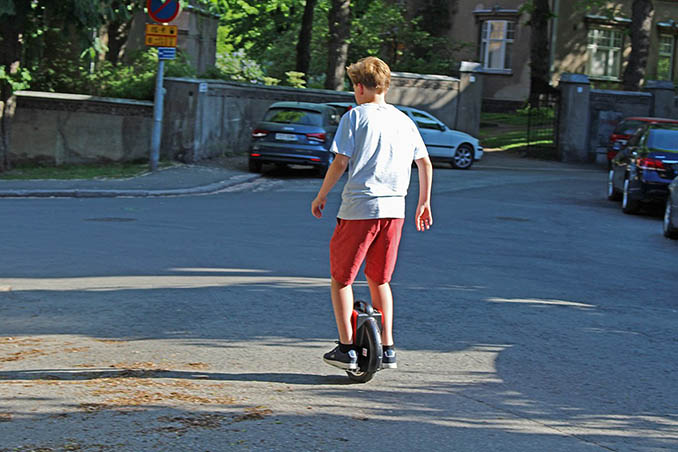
(377, 143)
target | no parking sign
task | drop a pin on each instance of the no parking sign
(163, 11)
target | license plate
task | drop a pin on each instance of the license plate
(286, 137)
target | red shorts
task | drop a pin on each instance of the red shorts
(373, 241)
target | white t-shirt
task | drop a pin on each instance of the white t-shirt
(381, 143)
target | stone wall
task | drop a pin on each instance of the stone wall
(588, 116)
(203, 118)
(67, 128)
(607, 108)
(207, 118)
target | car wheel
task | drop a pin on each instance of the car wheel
(463, 157)
(629, 205)
(612, 193)
(322, 170)
(670, 229)
(254, 166)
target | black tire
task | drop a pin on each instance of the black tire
(254, 166)
(670, 229)
(463, 157)
(322, 170)
(612, 193)
(629, 205)
(370, 352)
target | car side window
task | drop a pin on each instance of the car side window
(425, 121)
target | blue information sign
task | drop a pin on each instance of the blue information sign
(167, 53)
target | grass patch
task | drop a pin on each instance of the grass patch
(505, 140)
(90, 171)
(517, 118)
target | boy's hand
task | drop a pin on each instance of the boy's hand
(423, 219)
(317, 207)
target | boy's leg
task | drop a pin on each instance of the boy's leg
(382, 299)
(342, 302)
(343, 355)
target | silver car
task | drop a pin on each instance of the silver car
(457, 148)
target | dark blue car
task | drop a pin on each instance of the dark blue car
(297, 133)
(670, 225)
(642, 171)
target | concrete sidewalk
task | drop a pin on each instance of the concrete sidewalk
(213, 176)
(181, 179)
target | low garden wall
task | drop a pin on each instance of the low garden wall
(203, 118)
(70, 129)
(588, 116)
(207, 118)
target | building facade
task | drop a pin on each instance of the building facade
(591, 41)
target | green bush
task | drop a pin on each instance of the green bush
(131, 80)
(237, 67)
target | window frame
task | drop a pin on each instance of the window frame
(505, 42)
(671, 55)
(591, 49)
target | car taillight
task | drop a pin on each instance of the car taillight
(651, 164)
(319, 137)
(259, 133)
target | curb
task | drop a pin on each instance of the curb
(124, 193)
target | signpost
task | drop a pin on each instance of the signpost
(164, 37)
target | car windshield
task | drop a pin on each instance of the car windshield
(294, 116)
(627, 127)
(664, 139)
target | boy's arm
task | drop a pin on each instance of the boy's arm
(334, 173)
(423, 216)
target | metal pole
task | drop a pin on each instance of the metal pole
(157, 116)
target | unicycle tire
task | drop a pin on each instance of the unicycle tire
(369, 349)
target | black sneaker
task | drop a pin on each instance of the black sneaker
(388, 361)
(346, 361)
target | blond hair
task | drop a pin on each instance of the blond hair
(371, 72)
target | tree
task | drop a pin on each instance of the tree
(305, 35)
(27, 28)
(339, 20)
(12, 28)
(641, 28)
(540, 70)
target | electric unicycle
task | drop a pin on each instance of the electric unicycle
(367, 323)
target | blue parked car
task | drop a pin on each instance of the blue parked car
(642, 171)
(294, 133)
(670, 225)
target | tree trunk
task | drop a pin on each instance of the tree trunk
(340, 28)
(540, 70)
(11, 32)
(641, 28)
(304, 43)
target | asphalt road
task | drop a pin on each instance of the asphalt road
(533, 316)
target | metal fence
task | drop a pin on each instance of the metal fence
(542, 126)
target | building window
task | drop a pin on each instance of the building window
(604, 53)
(665, 60)
(496, 42)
